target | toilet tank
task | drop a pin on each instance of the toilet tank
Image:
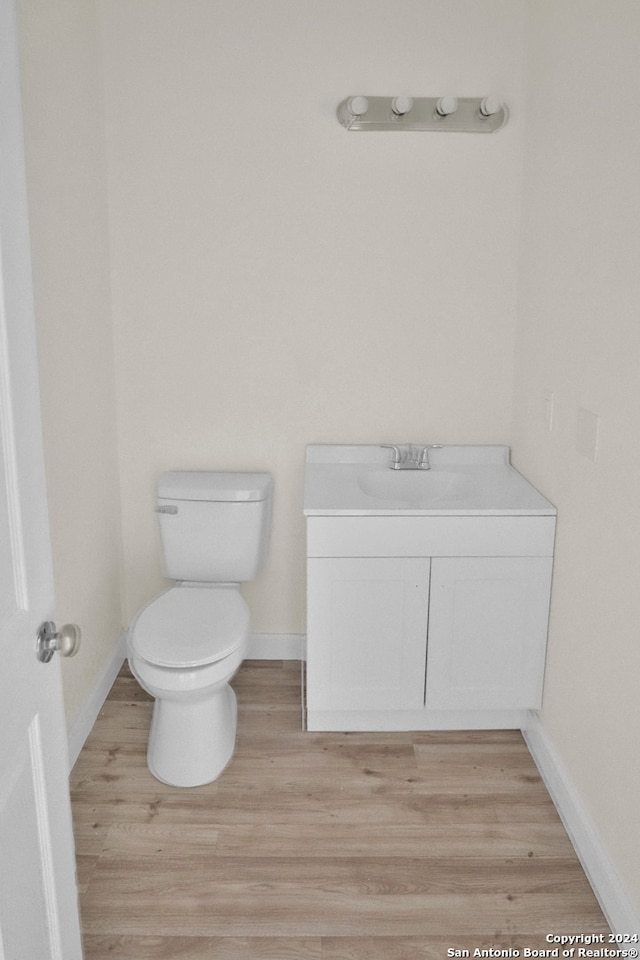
(214, 526)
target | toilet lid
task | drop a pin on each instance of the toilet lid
(190, 626)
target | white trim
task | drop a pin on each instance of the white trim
(51, 909)
(85, 720)
(276, 646)
(607, 885)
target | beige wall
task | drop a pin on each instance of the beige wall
(279, 281)
(67, 200)
(579, 337)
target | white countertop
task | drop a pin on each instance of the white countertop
(463, 481)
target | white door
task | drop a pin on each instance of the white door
(38, 895)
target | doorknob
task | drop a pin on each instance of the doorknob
(49, 639)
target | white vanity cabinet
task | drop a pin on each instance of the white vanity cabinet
(426, 622)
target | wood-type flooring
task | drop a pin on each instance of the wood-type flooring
(319, 846)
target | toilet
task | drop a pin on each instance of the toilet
(185, 645)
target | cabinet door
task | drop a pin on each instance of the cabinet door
(367, 625)
(487, 632)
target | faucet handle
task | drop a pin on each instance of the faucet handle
(397, 457)
(424, 455)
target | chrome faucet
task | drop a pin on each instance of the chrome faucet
(408, 456)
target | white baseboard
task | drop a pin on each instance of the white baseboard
(277, 646)
(88, 715)
(621, 915)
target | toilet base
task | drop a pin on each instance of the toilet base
(190, 743)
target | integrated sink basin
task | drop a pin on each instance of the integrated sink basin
(415, 487)
(357, 480)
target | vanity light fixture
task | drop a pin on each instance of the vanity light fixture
(443, 114)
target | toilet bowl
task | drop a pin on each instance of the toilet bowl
(184, 648)
(186, 644)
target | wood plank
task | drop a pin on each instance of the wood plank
(202, 948)
(399, 840)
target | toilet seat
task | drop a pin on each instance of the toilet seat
(188, 627)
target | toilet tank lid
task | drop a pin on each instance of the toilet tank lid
(223, 485)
